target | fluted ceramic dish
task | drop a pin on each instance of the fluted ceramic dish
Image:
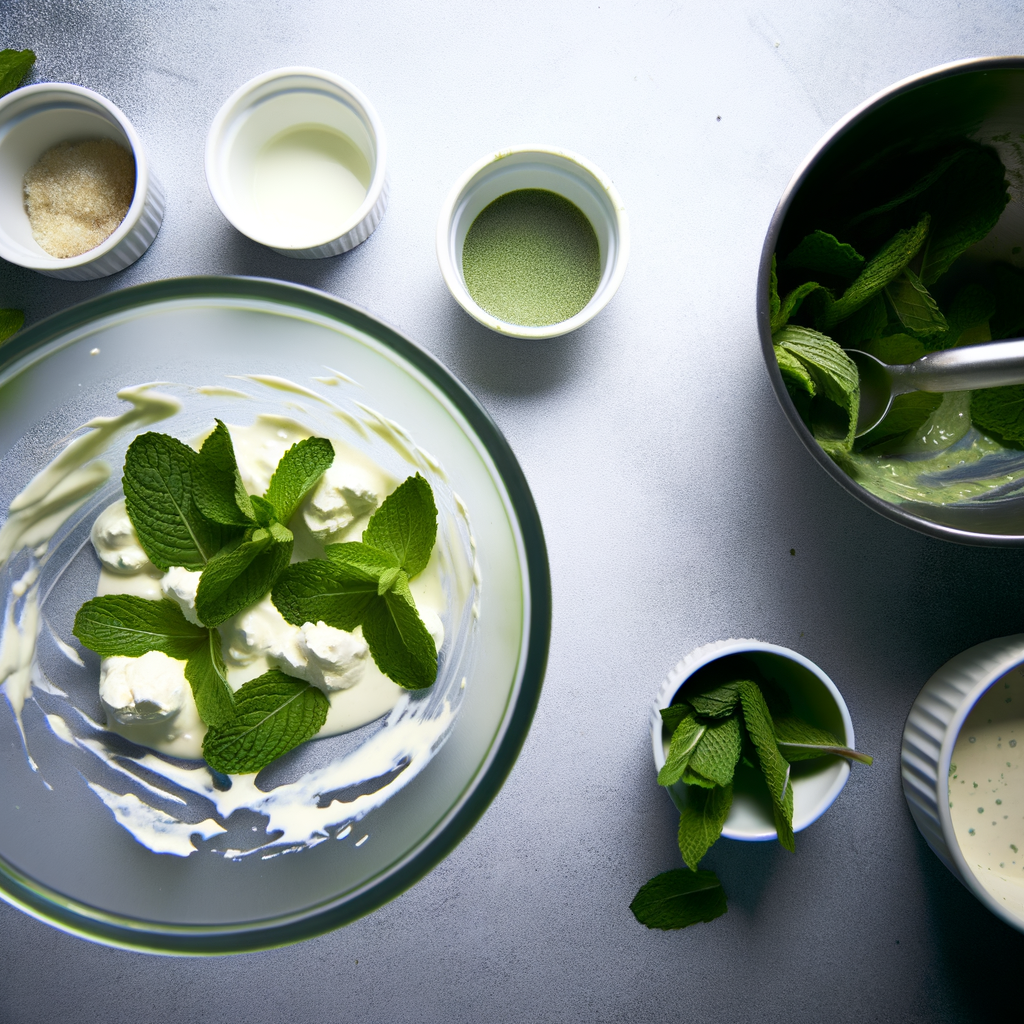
(37, 117)
(816, 783)
(983, 100)
(75, 796)
(931, 732)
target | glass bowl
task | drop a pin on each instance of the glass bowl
(118, 844)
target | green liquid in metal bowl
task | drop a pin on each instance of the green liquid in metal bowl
(531, 258)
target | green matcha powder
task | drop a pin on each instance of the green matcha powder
(531, 258)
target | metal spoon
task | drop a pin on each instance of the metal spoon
(956, 369)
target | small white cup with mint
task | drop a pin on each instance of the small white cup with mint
(752, 742)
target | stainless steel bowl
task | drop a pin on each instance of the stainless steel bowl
(984, 100)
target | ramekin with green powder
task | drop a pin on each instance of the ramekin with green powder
(533, 242)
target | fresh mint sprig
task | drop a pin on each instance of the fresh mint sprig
(366, 583)
(719, 726)
(191, 509)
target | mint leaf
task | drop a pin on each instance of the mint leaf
(159, 485)
(800, 741)
(242, 574)
(674, 714)
(263, 511)
(891, 260)
(906, 416)
(220, 494)
(794, 374)
(831, 368)
(679, 898)
(684, 741)
(11, 321)
(272, 714)
(897, 348)
(692, 778)
(205, 673)
(863, 326)
(1000, 411)
(337, 591)
(399, 642)
(822, 253)
(835, 377)
(405, 525)
(917, 310)
(128, 626)
(718, 751)
(701, 821)
(296, 474)
(795, 299)
(716, 702)
(774, 766)
(14, 66)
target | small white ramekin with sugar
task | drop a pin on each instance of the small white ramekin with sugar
(552, 170)
(36, 118)
(814, 697)
(296, 159)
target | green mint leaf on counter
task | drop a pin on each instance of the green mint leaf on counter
(296, 474)
(221, 495)
(405, 525)
(1000, 411)
(242, 574)
(918, 312)
(718, 752)
(159, 488)
(892, 259)
(399, 643)
(339, 590)
(122, 625)
(758, 721)
(11, 321)
(14, 66)
(207, 676)
(822, 253)
(701, 821)
(685, 738)
(678, 899)
(800, 741)
(272, 714)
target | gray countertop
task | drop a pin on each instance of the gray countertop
(670, 486)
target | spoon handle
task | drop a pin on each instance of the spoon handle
(990, 365)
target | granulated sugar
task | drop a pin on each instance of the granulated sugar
(77, 193)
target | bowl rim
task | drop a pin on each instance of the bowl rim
(142, 178)
(453, 278)
(895, 513)
(234, 105)
(213, 940)
(684, 669)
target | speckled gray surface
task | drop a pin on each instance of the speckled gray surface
(671, 490)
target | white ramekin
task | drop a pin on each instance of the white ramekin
(929, 737)
(555, 170)
(268, 105)
(814, 697)
(32, 120)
